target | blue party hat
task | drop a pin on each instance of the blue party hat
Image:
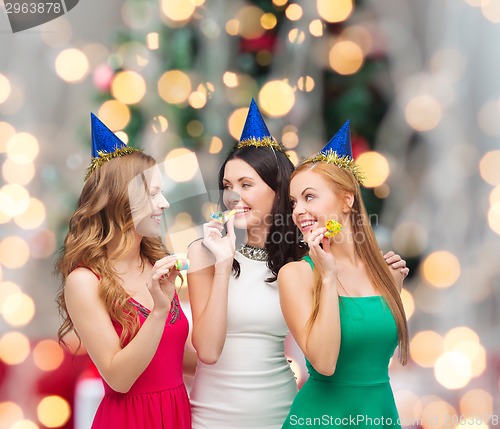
(105, 145)
(103, 139)
(255, 127)
(340, 143)
(255, 132)
(338, 151)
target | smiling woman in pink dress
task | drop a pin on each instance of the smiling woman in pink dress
(119, 291)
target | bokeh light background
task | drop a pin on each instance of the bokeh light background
(176, 76)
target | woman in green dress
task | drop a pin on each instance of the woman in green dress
(341, 302)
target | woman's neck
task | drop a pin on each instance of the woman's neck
(256, 237)
(130, 260)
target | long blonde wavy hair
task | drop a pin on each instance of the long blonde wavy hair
(104, 212)
(343, 181)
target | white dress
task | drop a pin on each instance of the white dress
(251, 385)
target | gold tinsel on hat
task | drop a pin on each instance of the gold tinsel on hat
(345, 162)
(260, 142)
(105, 157)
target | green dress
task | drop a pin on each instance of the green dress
(358, 394)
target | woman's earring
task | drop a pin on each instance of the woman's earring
(302, 242)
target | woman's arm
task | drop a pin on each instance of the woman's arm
(208, 290)
(120, 367)
(321, 343)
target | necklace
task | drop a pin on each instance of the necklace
(254, 253)
(342, 286)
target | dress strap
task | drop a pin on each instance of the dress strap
(308, 259)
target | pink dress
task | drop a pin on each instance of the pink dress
(158, 399)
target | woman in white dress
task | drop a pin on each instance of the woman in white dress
(243, 378)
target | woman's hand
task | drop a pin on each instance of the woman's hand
(223, 248)
(396, 262)
(323, 258)
(399, 270)
(162, 283)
